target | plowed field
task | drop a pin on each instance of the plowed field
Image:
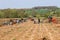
(30, 31)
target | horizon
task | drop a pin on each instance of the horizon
(19, 4)
(29, 8)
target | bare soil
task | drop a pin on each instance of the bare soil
(30, 31)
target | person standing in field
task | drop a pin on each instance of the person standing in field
(17, 21)
(38, 20)
(49, 19)
(11, 22)
(22, 20)
(34, 20)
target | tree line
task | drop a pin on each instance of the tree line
(19, 13)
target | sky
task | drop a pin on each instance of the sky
(27, 3)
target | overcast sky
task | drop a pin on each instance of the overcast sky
(27, 3)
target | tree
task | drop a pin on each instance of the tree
(2, 14)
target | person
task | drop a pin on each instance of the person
(17, 21)
(50, 19)
(11, 22)
(5, 23)
(38, 20)
(54, 20)
(25, 20)
(34, 21)
(22, 20)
